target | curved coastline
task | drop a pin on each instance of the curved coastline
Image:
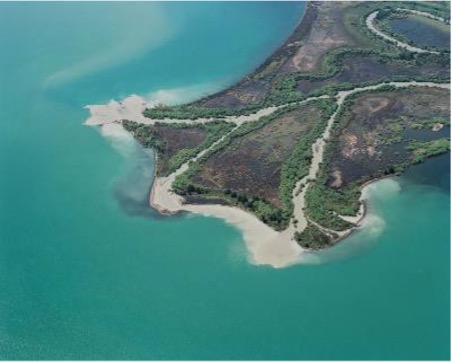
(363, 212)
(265, 245)
(302, 26)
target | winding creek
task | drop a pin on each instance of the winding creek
(266, 246)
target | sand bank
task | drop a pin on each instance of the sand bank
(131, 108)
(265, 245)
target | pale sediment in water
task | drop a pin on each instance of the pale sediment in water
(131, 187)
(131, 108)
(380, 188)
(179, 95)
(370, 226)
(265, 245)
(120, 139)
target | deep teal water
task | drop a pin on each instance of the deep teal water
(88, 272)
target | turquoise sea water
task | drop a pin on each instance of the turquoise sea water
(87, 271)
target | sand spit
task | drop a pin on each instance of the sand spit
(265, 245)
(130, 108)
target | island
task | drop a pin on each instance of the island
(359, 91)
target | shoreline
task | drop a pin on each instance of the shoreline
(265, 245)
(364, 208)
(302, 26)
(131, 108)
(361, 214)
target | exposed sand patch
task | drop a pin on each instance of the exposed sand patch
(265, 245)
(437, 127)
(130, 108)
(376, 104)
(371, 151)
(326, 34)
(337, 182)
(350, 140)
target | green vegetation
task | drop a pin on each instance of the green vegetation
(144, 135)
(423, 150)
(393, 131)
(283, 88)
(416, 30)
(430, 123)
(148, 137)
(194, 112)
(313, 238)
(183, 185)
(373, 142)
(437, 8)
(323, 204)
(283, 91)
(297, 166)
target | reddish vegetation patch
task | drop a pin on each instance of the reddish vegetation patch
(361, 69)
(247, 92)
(251, 164)
(326, 34)
(177, 139)
(377, 129)
(256, 86)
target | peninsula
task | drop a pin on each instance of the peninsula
(348, 98)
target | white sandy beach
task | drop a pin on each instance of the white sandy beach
(131, 108)
(265, 245)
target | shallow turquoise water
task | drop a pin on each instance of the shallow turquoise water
(88, 272)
